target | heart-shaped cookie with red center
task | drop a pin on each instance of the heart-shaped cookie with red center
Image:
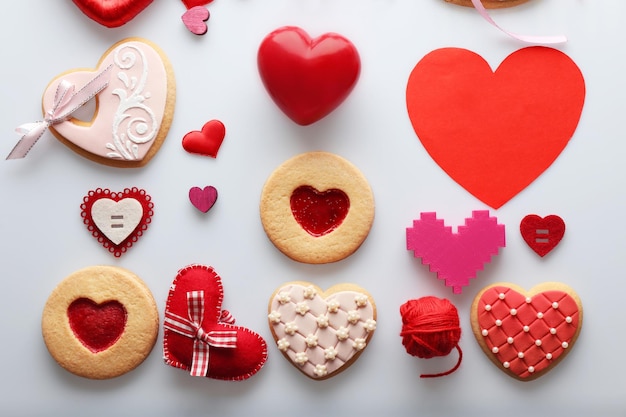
(526, 334)
(112, 13)
(117, 220)
(542, 234)
(321, 332)
(134, 111)
(319, 212)
(307, 78)
(492, 132)
(200, 337)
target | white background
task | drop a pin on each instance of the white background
(44, 240)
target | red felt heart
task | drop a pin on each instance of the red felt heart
(97, 326)
(241, 361)
(207, 141)
(307, 78)
(495, 132)
(542, 234)
(112, 13)
(203, 198)
(319, 213)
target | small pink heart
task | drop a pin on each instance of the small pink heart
(203, 199)
(195, 19)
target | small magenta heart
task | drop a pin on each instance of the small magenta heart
(203, 198)
(195, 19)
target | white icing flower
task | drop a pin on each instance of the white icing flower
(342, 333)
(291, 328)
(301, 358)
(330, 353)
(333, 306)
(311, 340)
(353, 316)
(283, 344)
(359, 344)
(309, 292)
(322, 321)
(369, 325)
(360, 300)
(283, 297)
(274, 317)
(302, 308)
(320, 370)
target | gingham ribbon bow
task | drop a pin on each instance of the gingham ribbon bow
(66, 102)
(192, 328)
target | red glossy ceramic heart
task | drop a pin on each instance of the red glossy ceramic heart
(112, 13)
(494, 133)
(307, 78)
(542, 234)
(97, 326)
(318, 212)
(206, 141)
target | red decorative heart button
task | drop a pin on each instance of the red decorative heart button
(526, 334)
(200, 337)
(112, 13)
(542, 234)
(97, 326)
(117, 220)
(318, 212)
(207, 141)
(307, 78)
(195, 20)
(492, 132)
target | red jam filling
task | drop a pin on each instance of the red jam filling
(319, 212)
(97, 326)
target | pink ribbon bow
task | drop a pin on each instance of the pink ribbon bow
(192, 328)
(66, 102)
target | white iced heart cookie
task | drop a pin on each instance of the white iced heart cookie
(117, 219)
(321, 332)
(133, 112)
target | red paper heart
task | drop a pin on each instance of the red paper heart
(114, 223)
(207, 141)
(495, 132)
(97, 326)
(542, 234)
(237, 363)
(112, 13)
(319, 213)
(203, 198)
(307, 78)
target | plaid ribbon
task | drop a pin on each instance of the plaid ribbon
(192, 328)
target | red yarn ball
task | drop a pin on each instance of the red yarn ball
(430, 328)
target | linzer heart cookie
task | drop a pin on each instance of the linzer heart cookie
(317, 208)
(112, 13)
(200, 337)
(134, 90)
(526, 334)
(321, 332)
(100, 322)
(115, 219)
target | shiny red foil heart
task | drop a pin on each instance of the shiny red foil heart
(319, 213)
(112, 13)
(97, 326)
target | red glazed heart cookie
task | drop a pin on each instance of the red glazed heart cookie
(526, 334)
(200, 337)
(100, 322)
(117, 220)
(112, 13)
(307, 78)
(321, 332)
(317, 208)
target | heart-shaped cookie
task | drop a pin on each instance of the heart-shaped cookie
(200, 337)
(455, 257)
(526, 334)
(206, 141)
(492, 132)
(321, 332)
(134, 111)
(542, 234)
(117, 220)
(307, 78)
(112, 13)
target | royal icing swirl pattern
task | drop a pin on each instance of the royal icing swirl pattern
(321, 334)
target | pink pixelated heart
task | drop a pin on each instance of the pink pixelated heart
(195, 19)
(203, 198)
(455, 257)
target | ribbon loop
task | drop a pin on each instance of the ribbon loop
(202, 340)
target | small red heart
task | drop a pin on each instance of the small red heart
(319, 213)
(542, 234)
(97, 326)
(112, 13)
(307, 78)
(207, 141)
(195, 20)
(203, 198)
